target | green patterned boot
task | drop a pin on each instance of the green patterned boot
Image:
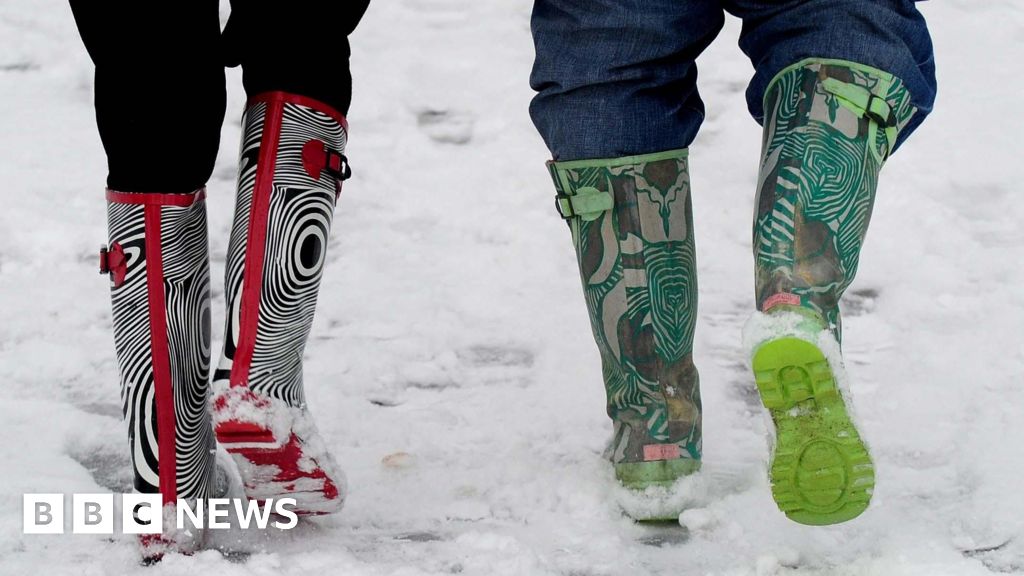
(632, 226)
(829, 127)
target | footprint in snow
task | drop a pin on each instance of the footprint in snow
(446, 126)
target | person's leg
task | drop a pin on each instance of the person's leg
(839, 85)
(159, 104)
(159, 93)
(619, 78)
(300, 47)
(295, 70)
(617, 105)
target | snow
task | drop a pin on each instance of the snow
(451, 368)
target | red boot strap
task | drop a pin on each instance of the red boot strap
(114, 262)
(317, 158)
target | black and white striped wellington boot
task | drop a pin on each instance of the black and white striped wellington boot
(291, 167)
(158, 262)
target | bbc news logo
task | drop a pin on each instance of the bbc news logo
(143, 514)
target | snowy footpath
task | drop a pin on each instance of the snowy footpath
(452, 368)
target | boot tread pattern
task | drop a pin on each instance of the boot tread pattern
(821, 472)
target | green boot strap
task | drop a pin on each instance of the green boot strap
(886, 103)
(587, 202)
(863, 102)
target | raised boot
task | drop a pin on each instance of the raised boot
(291, 167)
(632, 226)
(829, 127)
(158, 262)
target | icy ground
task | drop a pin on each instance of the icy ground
(452, 368)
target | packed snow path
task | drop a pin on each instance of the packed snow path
(452, 368)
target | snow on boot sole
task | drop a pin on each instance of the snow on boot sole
(271, 469)
(821, 472)
(253, 428)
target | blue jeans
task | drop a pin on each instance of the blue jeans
(619, 77)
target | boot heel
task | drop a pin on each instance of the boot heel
(235, 434)
(821, 472)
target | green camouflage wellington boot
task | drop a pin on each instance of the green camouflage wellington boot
(828, 129)
(632, 226)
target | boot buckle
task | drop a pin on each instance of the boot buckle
(588, 203)
(114, 263)
(875, 108)
(318, 158)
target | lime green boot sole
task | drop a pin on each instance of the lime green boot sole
(821, 472)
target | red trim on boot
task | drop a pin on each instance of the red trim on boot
(163, 388)
(151, 199)
(241, 432)
(271, 98)
(256, 244)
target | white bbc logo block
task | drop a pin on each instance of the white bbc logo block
(92, 514)
(43, 514)
(142, 514)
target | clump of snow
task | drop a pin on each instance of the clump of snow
(315, 453)
(240, 404)
(661, 501)
(697, 519)
(762, 327)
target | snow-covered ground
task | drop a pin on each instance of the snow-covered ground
(452, 368)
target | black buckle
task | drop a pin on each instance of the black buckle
(558, 206)
(889, 122)
(104, 265)
(343, 171)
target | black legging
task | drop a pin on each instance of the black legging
(160, 94)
